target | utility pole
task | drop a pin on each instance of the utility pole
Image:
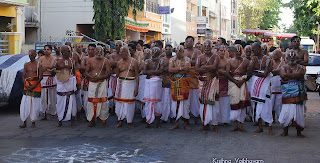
(318, 36)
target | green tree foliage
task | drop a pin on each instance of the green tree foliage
(306, 16)
(259, 14)
(109, 17)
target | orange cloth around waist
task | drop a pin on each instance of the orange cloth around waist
(31, 82)
(78, 76)
(194, 78)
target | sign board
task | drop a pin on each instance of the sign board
(201, 31)
(164, 10)
(201, 25)
(201, 20)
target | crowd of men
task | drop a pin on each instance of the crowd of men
(212, 82)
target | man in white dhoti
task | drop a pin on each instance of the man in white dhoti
(240, 71)
(153, 88)
(260, 89)
(193, 54)
(166, 100)
(30, 102)
(276, 95)
(127, 84)
(224, 99)
(114, 58)
(207, 65)
(98, 70)
(48, 84)
(66, 87)
(293, 94)
(85, 81)
(179, 66)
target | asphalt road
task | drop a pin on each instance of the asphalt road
(46, 143)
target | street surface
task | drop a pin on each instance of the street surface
(46, 143)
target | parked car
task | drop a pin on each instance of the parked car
(313, 70)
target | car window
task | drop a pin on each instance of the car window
(314, 60)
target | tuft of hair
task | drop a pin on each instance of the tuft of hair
(159, 43)
(223, 40)
(190, 37)
(295, 37)
(92, 45)
(147, 46)
(49, 46)
(133, 46)
(168, 45)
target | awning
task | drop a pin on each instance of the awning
(140, 24)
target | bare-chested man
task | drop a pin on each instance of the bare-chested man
(127, 84)
(57, 49)
(85, 84)
(248, 52)
(166, 100)
(153, 89)
(79, 48)
(193, 54)
(260, 88)
(114, 59)
(276, 95)
(224, 100)
(31, 99)
(48, 83)
(293, 94)
(179, 66)
(265, 49)
(240, 71)
(207, 65)
(302, 54)
(66, 87)
(77, 61)
(199, 46)
(98, 70)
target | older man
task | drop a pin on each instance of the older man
(153, 89)
(31, 99)
(293, 94)
(179, 66)
(127, 84)
(276, 94)
(66, 87)
(240, 71)
(207, 65)
(98, 70)
(260, 88)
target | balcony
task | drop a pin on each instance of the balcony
(31, 17)
(190, 17)
(152, 7)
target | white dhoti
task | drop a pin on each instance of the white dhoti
(140, 102)
(111, 87)
(182, 110)
(84, 92)
(152, 96)
(194, 102)
(209, 105)
(276, 96)
(224, 107)
(66, 99)
(166, 103)
(239, 99)
(49, 94)
(124, 97)
(97, 106)
(210, 113)
(293, 112)
(260, 95)
(30, 106)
